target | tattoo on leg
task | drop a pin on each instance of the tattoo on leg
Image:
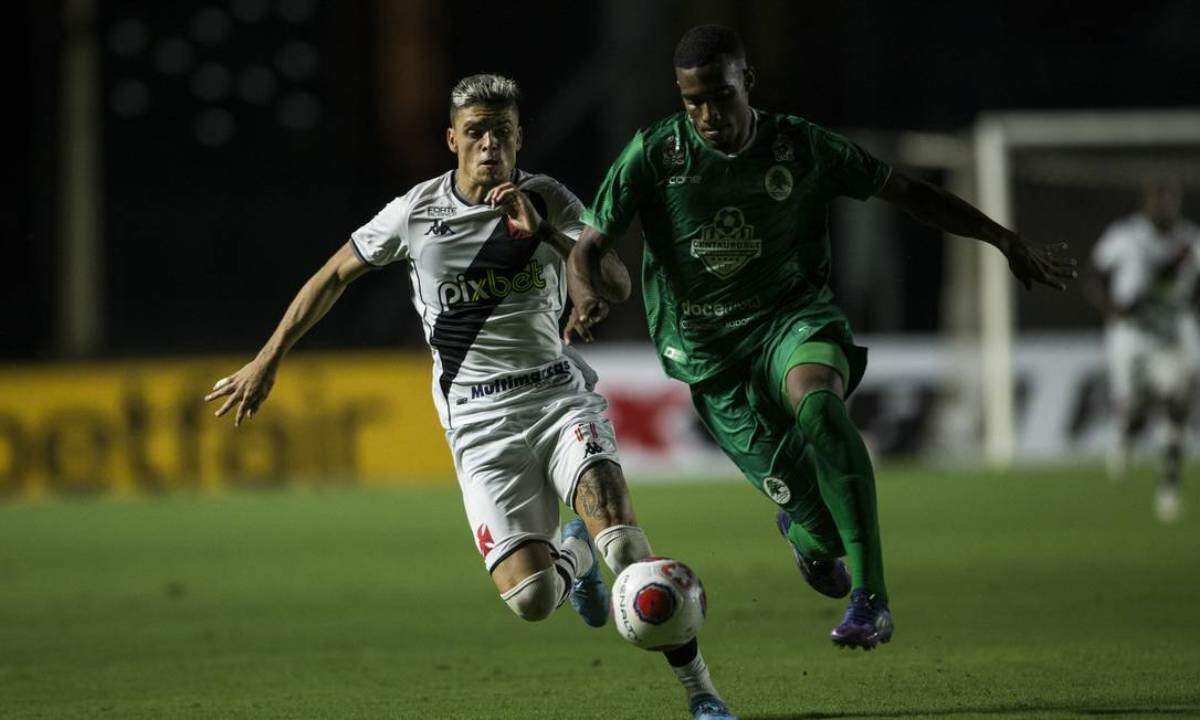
(601, 495)
(587, 500)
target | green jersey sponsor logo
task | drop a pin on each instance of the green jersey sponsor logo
(732, 314)
(727, 243)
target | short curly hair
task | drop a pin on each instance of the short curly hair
(705, 43)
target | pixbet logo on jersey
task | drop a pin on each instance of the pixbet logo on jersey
(491, 285)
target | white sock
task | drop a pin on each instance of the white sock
(622, 545)
(694, 677)
(577, 555)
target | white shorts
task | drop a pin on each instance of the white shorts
(1142, 365)
(514, 469)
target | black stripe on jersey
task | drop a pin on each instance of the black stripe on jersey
(457, 327)
(539, 204)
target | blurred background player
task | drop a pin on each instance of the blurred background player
(1145, 283)
(485, 246)
(734, 205)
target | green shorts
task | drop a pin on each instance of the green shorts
(747, 411)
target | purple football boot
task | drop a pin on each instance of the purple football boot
(867, 623)
(828, 577)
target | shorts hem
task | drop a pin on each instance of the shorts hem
(511, 544)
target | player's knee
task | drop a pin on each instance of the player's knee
(535, 597)
(622, 545)
(820, 415)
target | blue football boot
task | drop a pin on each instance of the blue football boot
(867, 623)
(828, 577)
(709, 707)
(589, 595)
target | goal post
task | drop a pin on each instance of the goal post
(996, 138)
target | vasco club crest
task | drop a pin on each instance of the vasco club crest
(726, 244)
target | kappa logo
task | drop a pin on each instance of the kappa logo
(727, 243)
(587, 434)
(439, 227)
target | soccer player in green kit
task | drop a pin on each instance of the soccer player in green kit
(733, 204)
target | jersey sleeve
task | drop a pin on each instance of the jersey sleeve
(384, 239)
(622, 192)
(846, 168)
(562, 208)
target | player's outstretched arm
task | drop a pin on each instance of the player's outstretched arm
(595, 277)
(248, 388)
(939, 208)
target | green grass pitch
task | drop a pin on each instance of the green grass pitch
(1048, 594)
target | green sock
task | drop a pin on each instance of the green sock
(847, 483)
(811, 545)
(813, 530)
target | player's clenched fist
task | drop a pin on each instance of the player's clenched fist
(247, 388)
(523, 217)
(586, 313)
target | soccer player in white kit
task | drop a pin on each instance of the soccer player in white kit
(485, 247)
(1147, 266)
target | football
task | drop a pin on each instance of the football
(658, 604)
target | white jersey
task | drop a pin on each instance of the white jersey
(490, 304)
(1153, 271)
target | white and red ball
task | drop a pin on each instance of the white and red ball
(658, 603)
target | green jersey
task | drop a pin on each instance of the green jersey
(732, 242)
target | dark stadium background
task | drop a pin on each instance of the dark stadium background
(239, 148)
(156, 562)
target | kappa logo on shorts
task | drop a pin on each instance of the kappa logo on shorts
(777, 490)
(588, 434)
(483, 539)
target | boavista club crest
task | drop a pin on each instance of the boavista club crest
(727, 243)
